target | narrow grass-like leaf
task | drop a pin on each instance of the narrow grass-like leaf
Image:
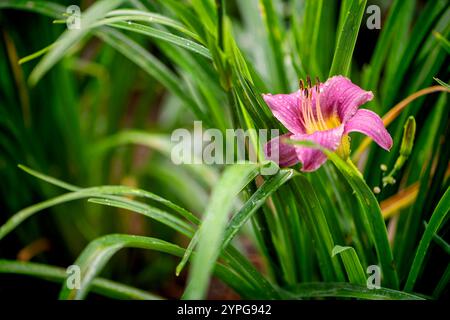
(149, 64)
(442, 284)
(135, 192)
(255, 202)
(382, 48)
(187, 15)
(309, 42)
(99, 252)
(347, 38)
(234, 179)
(441, 242)
(275, 35)
(51, 180)
(148, 211)
(427, 146)
(118, 22)
(317, 225)
(36, 55)
(371, 208)
(71, 37)
(355, 271)
(428, 15)
(442, 83)
(102, 191)
(157, 142)
(100, 286)
(206, 14)
(123, 44)
(46, 8)
(319, 229)
(231, 255)
(443, 41)
(152, 17)
(440, 215)
(346, 290)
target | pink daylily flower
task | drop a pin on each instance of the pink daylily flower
(324, 113)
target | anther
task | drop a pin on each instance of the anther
(308, 79)
(301, 85)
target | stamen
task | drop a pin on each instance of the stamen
(317, 84)
(311, 116)
(301, 104)
(319, 113)
(301, 113)
(301, 85)
(305, 113)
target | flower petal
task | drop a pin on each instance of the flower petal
(311, 158)
(342, 97)
(281, 153)
(370, 124)
(285, 107)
